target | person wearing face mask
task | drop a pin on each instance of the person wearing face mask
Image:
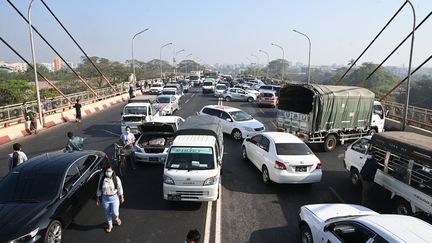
(367, 176)
(110, 193)
(128, 140)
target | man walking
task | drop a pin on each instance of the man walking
(77, 107)
(17, 157)
(128, 140)
(74, 143)
(367, 176)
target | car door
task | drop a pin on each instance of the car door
(242, 95)
(90, 174)
(356, 154)
(251, 148)
(227, 122)
(262, 152)
(70, 198)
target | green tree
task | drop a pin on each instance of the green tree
(16, 91)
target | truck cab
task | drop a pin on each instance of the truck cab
(136, 112)
(378, 118)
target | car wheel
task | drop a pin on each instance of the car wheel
(403, 207)
(228, 98)
(266, 176)
(305, 234)
(372, 131)
(244, 154)
(54, 232)
(355, 177)
(250, 99)
(330, 143)
(237, 135)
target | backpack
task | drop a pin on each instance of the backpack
(15, 159)
(114, 178)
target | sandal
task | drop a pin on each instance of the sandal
(109, 229)
(118, 222)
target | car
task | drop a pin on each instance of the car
(238, 94)
(167, 104)
(252, 91)
(41, 197)
(234, 121)
(156, 88)
(208, 86)
(219, 89)
(268, 98)
(273, 88)
(354, 223)
(282, 158)
(171, 91)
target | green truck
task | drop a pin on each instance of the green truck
(327, 114)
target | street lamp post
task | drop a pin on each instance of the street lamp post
(267, 61)
(310, 47)
(34, 64)
(407, 97)
(283, 58)
(256, 66)
(187, 65)
(133, 60)
(160, 57)
(174, 60)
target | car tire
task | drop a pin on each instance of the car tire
(228, 99)
(372, 131)
(236, 134)
(355, 177)
(244, 154)
(250, 99)
(305, 234)
(265, 175)
(403, 207)
(54, 232)
(330, 143)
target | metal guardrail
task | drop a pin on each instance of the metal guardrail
(417, 116)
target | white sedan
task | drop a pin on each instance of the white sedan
(167, 104)
(354, 223)
(282, 158)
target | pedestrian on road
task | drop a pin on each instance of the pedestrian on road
(110, 193)
(128, 140)
(77, 107)
(32, 117)
(74, 143)
(45, 104)
(17, 157)
(131, 90)
(193, 236)
(24, 110)
(145, 84)
(367, 176)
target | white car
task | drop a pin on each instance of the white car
(219, 90)
(156, 88)
(282, 158)
(167, 104)
(337, 223)
(171, 91)
(238, 94)
(234, 121)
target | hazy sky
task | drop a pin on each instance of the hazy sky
(220, 31)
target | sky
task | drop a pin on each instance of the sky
(220, 31)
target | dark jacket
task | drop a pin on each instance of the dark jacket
(369, 169)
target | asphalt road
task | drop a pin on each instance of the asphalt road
(248, 210)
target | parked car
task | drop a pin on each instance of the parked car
(220, 89)
(234, 121)
(156, 88)
(238, 94)
(282, 158)
(40, 198)
(167, 104)
(354, 223)
(272, 88)
(268, 98)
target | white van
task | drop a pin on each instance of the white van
(193, 167)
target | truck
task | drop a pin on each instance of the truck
(326, 114)
(404, 168)
(140, 109)
(195, 78)
(192, 169)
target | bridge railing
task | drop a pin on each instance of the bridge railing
(417, 116)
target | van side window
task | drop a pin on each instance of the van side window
(378, 110)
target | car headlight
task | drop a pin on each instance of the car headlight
(26, 237)
(168, 180)
(210, 181)
(249, 129)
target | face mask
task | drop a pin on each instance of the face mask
(108, 173)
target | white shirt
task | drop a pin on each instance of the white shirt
(22, 157)
(108, 187)
(128, 138)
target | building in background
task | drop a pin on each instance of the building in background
(13, 67)
(57, 64)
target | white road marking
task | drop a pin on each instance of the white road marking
(192, 95)
(208, 223)
(187, 101)
(107, 131)
(336, 194)
(218, 217)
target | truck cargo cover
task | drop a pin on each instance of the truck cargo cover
(406, 144)
(331, 106)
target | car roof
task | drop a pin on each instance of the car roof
(222, 108)
(168, 119)
(282, 137)
(194, 140)
(406, 228)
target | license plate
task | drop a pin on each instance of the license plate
(301, 169)
(153, 159)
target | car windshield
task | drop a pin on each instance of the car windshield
(190, 158)
(156, 85)
(240, 116)
(163, 99)
(194, 78)
(292, 149)
(221, 87)
(29, 186)
(207, 83)
(135, 110)
(168, 92)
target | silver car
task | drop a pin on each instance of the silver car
(238, 94)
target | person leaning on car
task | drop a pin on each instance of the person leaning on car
(367, 176)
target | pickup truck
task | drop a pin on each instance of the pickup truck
(140, 109)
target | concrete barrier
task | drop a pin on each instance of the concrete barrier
(394, 125)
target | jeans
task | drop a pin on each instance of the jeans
(367, 187)
(111, 205)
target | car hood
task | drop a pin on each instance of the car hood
(155, 127)
(190, 177)
(22, 216)
(251, 123)
(326, 212)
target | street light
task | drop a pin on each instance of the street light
(34, 64)
(133, 60)
(187, 64)
(405, 117)
(174, 60)
(283, 58)
(310, 47)
(268, 66)
(160, 57)
(256, 67)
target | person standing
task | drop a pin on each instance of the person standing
(24, 110)
(45, 105)
(193, 236)
(17, 157)
(32, 117)
(74, 143)
(77, 107)
(128, 140)
(110, 194)
(367, 176)
(131, 90)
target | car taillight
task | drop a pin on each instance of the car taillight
(318, 165)
(279, 165)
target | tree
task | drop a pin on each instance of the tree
(420, 93)
(16, 91)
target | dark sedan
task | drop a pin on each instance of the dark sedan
(40, 197)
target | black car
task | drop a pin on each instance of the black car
(39, 198)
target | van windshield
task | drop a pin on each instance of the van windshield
(190, 158)
(135, 110)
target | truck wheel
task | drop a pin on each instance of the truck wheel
(305, 234)
(228, 98)
(237, 135)
(403, 207)
(372, 131)
(250, 99)
(330, 143)
(355, 177)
